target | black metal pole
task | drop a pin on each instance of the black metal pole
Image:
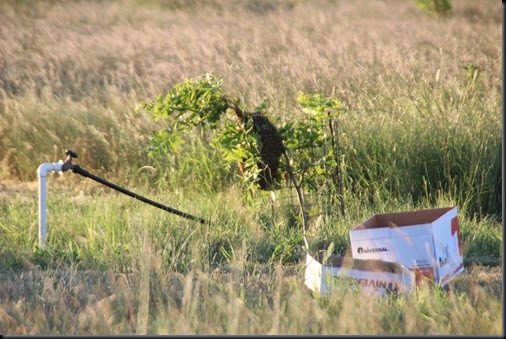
(79, 170)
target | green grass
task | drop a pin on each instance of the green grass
(106, 230)
(217, 279)
(423, 130)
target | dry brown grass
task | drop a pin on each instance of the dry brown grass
(72, 73)
(86, 65)
(74, 302)
(81, 49)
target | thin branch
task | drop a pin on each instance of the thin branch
(338, 180)
(300, 196)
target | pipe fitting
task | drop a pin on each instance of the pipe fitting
(42, 171)
(47, 167)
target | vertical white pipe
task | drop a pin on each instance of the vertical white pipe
(42, 171)
(42, 211)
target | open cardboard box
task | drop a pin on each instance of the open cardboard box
(371, 276)
(425, 241)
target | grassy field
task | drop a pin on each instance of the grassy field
(422, 129)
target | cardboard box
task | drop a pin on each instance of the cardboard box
(425, 241)
(370, 276)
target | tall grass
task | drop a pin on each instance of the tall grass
(70, 302)
(96, 229)
(441, 140)
(74, 73)
(423, 130)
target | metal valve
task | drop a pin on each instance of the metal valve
(68, 162)
(71, 153)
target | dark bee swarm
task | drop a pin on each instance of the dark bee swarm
(271, 148)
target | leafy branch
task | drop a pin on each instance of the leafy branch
(250, 139)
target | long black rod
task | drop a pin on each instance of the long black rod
(79, 170)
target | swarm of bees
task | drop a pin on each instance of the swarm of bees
(271, 147)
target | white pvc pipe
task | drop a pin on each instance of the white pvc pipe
(42, 171)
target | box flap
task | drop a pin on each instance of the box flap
(399, 219)
(370, 233)
(411, 231)
(371, 265)
(313, 274)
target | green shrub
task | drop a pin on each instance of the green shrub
(435, 6)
